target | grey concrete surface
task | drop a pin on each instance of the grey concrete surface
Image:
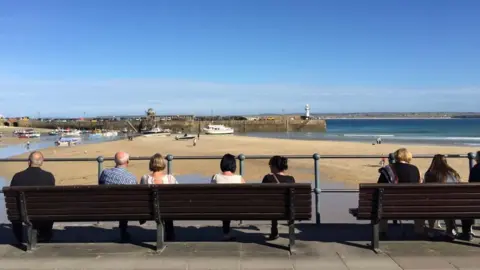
(199, 246)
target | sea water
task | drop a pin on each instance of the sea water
(462, 132)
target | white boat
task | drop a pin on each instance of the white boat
(53, 133)
(156, 132)
(72, 133)
(28, 133)
(184, 137)
(67, 141)
(218, 130)
(110, 134)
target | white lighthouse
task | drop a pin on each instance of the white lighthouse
(307, 111)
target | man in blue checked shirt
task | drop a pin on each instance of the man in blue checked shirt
(119, 176)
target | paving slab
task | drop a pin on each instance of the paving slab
(423, 262)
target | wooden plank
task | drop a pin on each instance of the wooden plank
(434, 202)
(177, 216)
(169, 197)
(423, 215)
(194, 187)
(74, 205)
(443, 208)
(142, 210)
(438, 196)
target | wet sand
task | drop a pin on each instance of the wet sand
(350, 172)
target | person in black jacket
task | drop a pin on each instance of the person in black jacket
(401, 172)
(278, 167)
(34, 176)
(474, 177)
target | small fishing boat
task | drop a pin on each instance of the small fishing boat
(53, 133)
(156, 132)
(218, 130)
(184, 137)
(67, 141)
(28, 133)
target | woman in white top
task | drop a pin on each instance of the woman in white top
(158, 176)
(228, 166)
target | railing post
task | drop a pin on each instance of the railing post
(241, 166)
(169, 163)
(317, 190)
(100, 160)
(471, 158)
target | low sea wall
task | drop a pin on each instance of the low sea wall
(240, 126)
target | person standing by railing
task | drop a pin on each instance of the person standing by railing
(228, 166)
(158, 176)
(278, 167)
(467, 224)
(440, 172)
(400, 172)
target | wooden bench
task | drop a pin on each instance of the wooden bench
(415, 201)
(158, 202)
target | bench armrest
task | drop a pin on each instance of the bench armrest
(353, 211)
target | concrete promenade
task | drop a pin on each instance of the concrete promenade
(199, 246)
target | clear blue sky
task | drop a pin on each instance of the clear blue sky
(66, 57)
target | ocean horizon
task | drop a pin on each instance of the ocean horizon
(443, 131)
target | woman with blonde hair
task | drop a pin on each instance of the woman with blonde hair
(401, 172)
(158, 176)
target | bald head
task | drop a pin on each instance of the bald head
(121, 159)
(35, 159)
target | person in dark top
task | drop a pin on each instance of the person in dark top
(467, 224)
(440, 172)
(278, 166)
(34, 176)
(400, 172)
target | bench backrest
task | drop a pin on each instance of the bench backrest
(146, 202)
(423, 201)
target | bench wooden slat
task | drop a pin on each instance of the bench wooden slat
(66, 205)
(164, 210)
(436, 196)
(177, 216)
(433, 202)
(193, 197)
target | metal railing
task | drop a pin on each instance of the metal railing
(241, 158)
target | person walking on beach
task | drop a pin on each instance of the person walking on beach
(28, 145)
(440, 172)
(119, 175)
(194, 142)
(228, 166)
(278, 167)
(34, 176)
(467, 224)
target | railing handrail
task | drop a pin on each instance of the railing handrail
(89, 159)
(315, 157)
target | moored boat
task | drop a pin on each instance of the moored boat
(184, 137)
(218, 130)
(67, 141)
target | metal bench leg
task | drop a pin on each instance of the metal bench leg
(291, 237)
(32, 238)
(160, 237)
(376, 236)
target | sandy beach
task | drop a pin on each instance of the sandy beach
(349, 171)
